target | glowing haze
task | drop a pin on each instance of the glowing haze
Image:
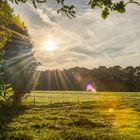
(49, 46)
(86, 40)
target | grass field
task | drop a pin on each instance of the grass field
(73, 115)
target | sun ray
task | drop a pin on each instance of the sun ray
(13, 59)
(49, 80)
(56, 79)
(22, 63)
(67, 79)
(34, 79)
(62, 80)
(17, 73)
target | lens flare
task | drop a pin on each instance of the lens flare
(90, 87)
(110, 110)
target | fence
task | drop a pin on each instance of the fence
(50, 98)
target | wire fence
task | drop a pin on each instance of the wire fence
(50, 98)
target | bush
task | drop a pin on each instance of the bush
(6, 95)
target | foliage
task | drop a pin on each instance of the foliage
(7, 17)
(20, 61)
(13, 34)
(6, 14)
(6, 94)
(17, 21)
(106, 5)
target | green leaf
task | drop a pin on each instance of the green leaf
(105, 13)
(120, 7)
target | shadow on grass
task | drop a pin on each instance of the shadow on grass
(7, 114)
(86, 123)
(79, 135)
(61, 104)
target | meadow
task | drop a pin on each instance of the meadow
(73, 115)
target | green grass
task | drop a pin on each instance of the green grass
(73, 116)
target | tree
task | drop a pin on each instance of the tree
(17, 61)
(106, 5)
(20, 60)
(137, 78)
(5, 19)
(129, 78)
(6, 14)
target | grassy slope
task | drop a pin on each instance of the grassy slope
(73, 116)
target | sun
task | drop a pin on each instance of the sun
(49, 45)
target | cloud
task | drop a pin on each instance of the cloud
(86, 40)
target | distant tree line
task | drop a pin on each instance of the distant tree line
(104, 79)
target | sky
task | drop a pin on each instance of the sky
(85, 41)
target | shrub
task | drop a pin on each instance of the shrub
(6, 95)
